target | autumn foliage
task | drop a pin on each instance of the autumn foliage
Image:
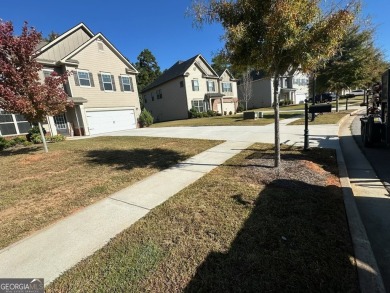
(21, 90)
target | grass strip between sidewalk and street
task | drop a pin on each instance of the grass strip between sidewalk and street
(37, 188)
(324, 118)
(244, 227)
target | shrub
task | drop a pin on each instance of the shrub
(19, 140)
(36, 138)
(230, 112)
(192, 113)
(57, 138)
(211, 113)
(240, 109)
(145, 118)
(34, 130)
(3, 143)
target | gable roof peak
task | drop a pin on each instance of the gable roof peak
(64, 35)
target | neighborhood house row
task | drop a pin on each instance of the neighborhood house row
(105, 95)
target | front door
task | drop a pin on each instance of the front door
(61, 124)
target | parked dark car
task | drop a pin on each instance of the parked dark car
(324, 97)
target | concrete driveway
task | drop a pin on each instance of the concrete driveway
(325, 136)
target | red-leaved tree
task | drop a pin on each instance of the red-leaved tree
(21, 90)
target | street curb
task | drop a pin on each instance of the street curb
(342, 120)
(370, 279)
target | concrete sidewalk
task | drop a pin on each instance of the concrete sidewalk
(57, 248)
(358, 181)
(49, 252)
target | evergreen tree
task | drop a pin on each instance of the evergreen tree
(148, 71)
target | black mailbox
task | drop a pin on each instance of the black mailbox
(320, 108)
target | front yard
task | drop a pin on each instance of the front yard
(229, 120)
(37, 189)
(324, 118)
(241, 228)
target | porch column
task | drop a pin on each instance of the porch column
(52, 126)
(78, 120)
(84, 120)
(222, 107)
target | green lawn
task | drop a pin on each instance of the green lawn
(229, 120)
(37, 189)
(325, 118)
(241, 228)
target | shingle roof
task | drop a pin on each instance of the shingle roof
(178, 69)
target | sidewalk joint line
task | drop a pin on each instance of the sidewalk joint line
(130, 204)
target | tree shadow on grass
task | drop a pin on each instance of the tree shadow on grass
(295, 240)
(21, 151)
(135, 158)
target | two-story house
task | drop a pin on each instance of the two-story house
(102, 85)
(190, 84)
(292, 88)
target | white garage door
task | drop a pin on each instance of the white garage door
(107, 121)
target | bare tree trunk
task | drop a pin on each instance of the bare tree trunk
(277, 132)
(43, 137)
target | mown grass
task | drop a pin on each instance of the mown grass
(324, 118)
(37, 189)
(241, 228)
(229, 120)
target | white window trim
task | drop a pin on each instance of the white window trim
(130, 83)
(89, 80)
(197, 88)
(208, 88)
(229, 90)
(112, 85)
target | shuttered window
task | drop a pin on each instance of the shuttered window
(126, 83)
(83, 78)
(107, 82)
(195, 85)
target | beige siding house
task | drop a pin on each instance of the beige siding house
(190, 84)
(291, 88)
(102, 84)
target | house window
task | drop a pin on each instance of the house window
(210, 86)
(198, 105)
(152, 97)
(145, 100)
(47, 72)
(227, 87)
(127, 83)
(60, 121)
(107, 82)
(83, 77)
(13, 124)
(181, 83)
(159, 94)
(195, 85)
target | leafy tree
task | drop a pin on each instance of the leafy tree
(148, 70)
(357, 63)
(220, 62)
(52, 36)
(276, 36)
(21, 90)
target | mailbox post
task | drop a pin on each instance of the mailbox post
(306, 131)
(313, 109)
